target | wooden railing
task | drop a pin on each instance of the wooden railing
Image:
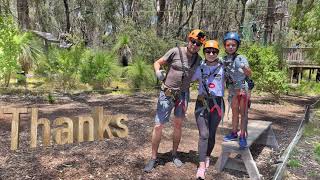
(297, 56)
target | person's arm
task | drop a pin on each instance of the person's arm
(161, 74)
(158, 63)
(245, 67)
(247, 71)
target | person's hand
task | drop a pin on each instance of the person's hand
(161, 74)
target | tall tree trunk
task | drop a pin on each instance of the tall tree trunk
(66, 7)
(201, 14)
(243, 11)
(180, 12)
(1, 7)
(269, 22)
(23, 14)
(187, 21)
(236, 16)
(161, 5)
(41, 15)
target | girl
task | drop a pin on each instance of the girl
(210, 105)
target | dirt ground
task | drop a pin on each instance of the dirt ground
(124, 158)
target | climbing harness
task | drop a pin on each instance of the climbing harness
(244, 85)
(206, 98)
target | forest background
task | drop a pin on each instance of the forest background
(101, 45)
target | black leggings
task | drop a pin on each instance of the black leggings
(207, 123)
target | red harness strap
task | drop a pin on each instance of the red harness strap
(245, 96)
(183, 104)
(217, 108)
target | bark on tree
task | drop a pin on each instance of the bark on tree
(161, 5)
(66, 7)
(23, 14)
(180, 12)
(269, 22)
(187, 21)
(201, 14)
(243, 11)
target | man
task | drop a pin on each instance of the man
(182, 62)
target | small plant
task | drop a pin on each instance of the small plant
(51, 99)
(99, 68)
(312, 174)
(317, 152)
(141, 75)
(294, 163)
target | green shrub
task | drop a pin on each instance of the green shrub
(141, 75)
(61, 66)
(99, 68)
(317, 149)
(9, 48)
(51, 99)
(293, 163)
(317, 152)
(308, 88)
(144, 42)
(267, 74)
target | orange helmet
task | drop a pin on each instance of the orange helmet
(211, 44)
(198, 35)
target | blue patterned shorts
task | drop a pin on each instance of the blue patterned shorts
(167, 103)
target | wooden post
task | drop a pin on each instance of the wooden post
(101, 124)
(222, 160)
(119, 129)
(250, 164)
(268, 138)
(292, 72)
(301, 74)
(61, 131)
(309, 75)
(46, 130)
(80, 131)
(15, 124)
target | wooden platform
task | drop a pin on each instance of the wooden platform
(259, 132)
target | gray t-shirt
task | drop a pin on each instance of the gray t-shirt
(234, 69)
(174, 78)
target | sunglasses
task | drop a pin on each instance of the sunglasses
(213, 51)
(195, 42)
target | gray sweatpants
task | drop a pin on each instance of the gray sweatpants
(207, 122)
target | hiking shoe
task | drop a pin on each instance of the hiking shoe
(176, 161)
(231, 137)
(150, 165)
(242, 142)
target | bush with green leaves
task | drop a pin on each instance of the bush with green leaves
(267, 75)
(61, 66)
(99, 68)
(144, 42)
(306, 23)
(9, 48)
(308, 88)
(141, 75)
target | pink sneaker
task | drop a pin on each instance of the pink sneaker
(200, 173)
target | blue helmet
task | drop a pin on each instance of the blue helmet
(233, 36)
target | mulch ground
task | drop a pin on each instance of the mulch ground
(304, 154)
(124, 158)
